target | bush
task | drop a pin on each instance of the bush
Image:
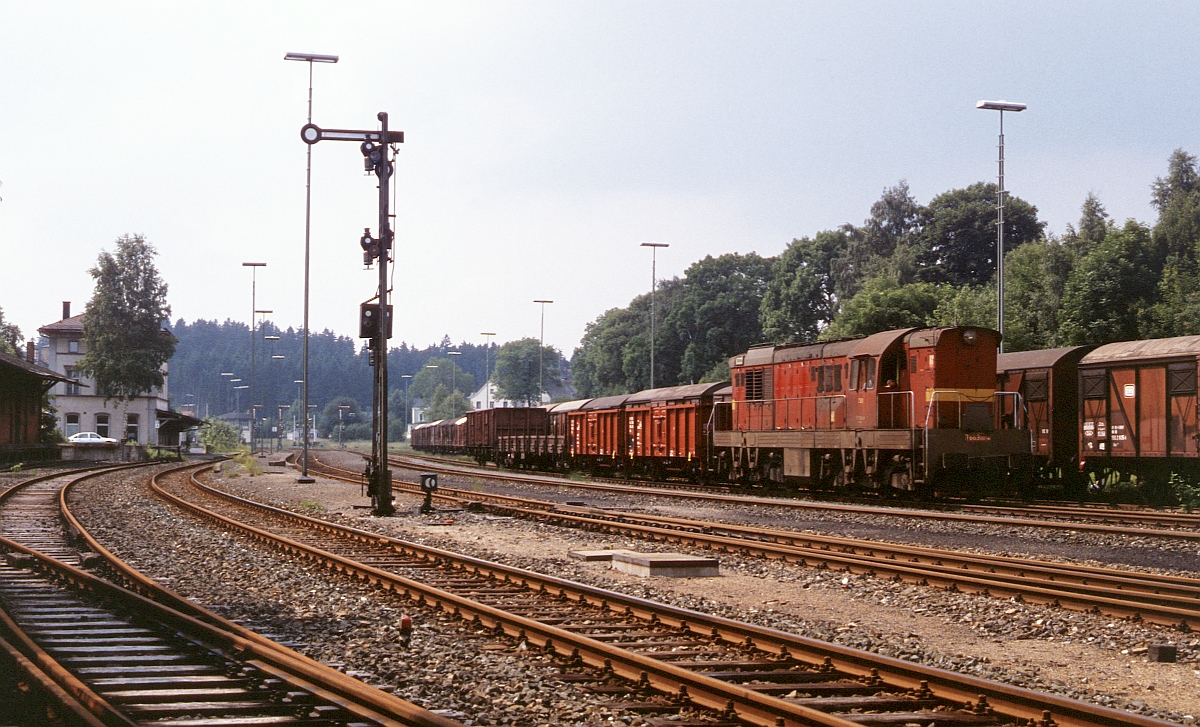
(219, 435)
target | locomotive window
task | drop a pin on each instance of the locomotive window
(754, 385)
(739, 379)
(1037, 387)
(1181, 379)
(1094, 385)
(837, 378)
(870, 374)
(854, 375)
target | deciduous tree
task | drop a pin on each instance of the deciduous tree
(516, 373)
(958, 239)
(1109, 292)
(799, 300)
(10, 336)
(123, 330)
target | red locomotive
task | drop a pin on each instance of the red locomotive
(911, 409)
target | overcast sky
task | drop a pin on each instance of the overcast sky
(545, 140)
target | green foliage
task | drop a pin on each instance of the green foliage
(517, 370)
(249, 463)
(19, 466)
(10, 336)
(717, 315)
(884, 304)
(958, 240)
(883, 243)
(440, 371)
(1107, 293)
(1185, 491)
(718, 373)
(327, 420)
(965, 305)
(799, 299)
(48, 432)
(123, 330)
(218, 435)
(447, 404)
(361, 431)
(1035, 277)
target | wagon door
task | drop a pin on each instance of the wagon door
(1036, 391)
(1181, 388)
(1122, 421)
(1151, 397)
(658, 432)
(1093, 387)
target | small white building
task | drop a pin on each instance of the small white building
(485, 397)
(141, 420)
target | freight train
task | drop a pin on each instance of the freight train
(929, 410)
(907, 410)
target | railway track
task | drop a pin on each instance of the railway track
(656, 659)
(103, 654)
(1164, 600)
(1182, 526)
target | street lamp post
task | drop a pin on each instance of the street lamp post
(225, 376)
(453, 373)
(237, 392)
(1000, 106)
(264, 314)
(253, 334)
(407, 409)
(298, 425)
(653, 284)
(309, 58)
(279, 427)
(541, 345)
(487, 369)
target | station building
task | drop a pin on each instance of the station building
(141, 420)
(22, 386)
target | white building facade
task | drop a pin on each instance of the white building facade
(82, 409)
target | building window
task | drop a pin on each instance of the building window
(73, 385)
(71, 425)
(102, 425)
(72, 346)
(131, 427)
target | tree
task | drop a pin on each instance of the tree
(958, 240)
(886, 236)
(516, 373)
(328, 420)
(440, 372)
(964, 305)
(1107, 294)
(883, 304)
(127, 346)
(10, 336)
(799, 300)
(1094, 226)
(717, 314)
(1035, 277)
(218, 435)
(446, 404)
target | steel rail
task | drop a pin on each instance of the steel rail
(203, 628)
(467, 471)
(1013, 702)
(1165, 600)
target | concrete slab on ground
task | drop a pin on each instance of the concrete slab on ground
(671, 565)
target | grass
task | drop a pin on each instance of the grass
(249, 464)
(310, 505)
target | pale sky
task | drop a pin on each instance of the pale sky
(546, 140)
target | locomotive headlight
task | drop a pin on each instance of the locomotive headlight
(970, 336)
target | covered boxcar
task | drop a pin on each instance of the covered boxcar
(1047, 382)
(597, 434)
(910, 409)
(666, 430)
(486, 428)
(1137, 408)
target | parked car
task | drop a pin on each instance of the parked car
(90, 438)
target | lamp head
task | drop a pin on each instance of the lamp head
(999, 106)
(310, 57)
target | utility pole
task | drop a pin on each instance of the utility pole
(375, 320)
